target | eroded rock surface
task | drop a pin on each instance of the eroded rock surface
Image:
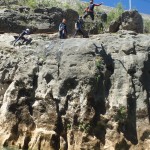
(40, 20)
(75, 93)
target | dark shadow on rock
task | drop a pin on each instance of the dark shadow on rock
(101, 91)
(59, 126)
(109, 64)
(129, 126)
(123, 145)
(130, 131)
(26, 142)
(68, 84)
(48, 77)
(145, 80)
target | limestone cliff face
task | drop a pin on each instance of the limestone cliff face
(76, 93)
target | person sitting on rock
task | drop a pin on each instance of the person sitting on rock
(63, 29)
(21, 36)
(78, 26)
(90, 10)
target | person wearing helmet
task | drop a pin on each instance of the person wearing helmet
(90, 10)
(21, 36)
(63, 29)
(78, 26)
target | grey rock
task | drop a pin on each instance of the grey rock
(114, 26)
(59, 92)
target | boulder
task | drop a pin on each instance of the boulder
(129, 20)
(132, 20)
(114, 26)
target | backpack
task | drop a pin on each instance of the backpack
(91, 7)
(61, 27)
(86, 9)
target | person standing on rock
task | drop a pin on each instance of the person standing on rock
(63, 29)
(78, 26)
(90, 10)
(21, 36)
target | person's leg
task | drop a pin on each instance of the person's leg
(28, 41)
(85, 15)
(75, 33)
(92, 15)
(24, 40)
(60, 34)
(16, 40)
(64, 33)
(102, 27)
(81, 32)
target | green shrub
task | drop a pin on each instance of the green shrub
(98, 62)
(66, 6)
(115, 13)
(121, 115)
(68, 126)
(81, 7)
(49, 3)
(31, 3)
(146, 26)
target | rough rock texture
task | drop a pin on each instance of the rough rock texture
(129, 20)
(41, 21)
(89, 94)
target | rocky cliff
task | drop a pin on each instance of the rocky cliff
(39, 20)
(89, 94)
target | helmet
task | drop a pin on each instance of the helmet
(91, 1)
(28, 30)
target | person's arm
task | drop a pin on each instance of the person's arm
(76, 26)
(22, 34)
(66, 29)
(97, 4)
(60, 27)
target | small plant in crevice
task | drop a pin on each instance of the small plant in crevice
(84, 127)
(98, 62)
(121, 115)
(97, 77)
(68, 126)
(121, 118)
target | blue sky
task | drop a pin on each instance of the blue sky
(143, 6)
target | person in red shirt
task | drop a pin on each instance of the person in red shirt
(90, 10)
